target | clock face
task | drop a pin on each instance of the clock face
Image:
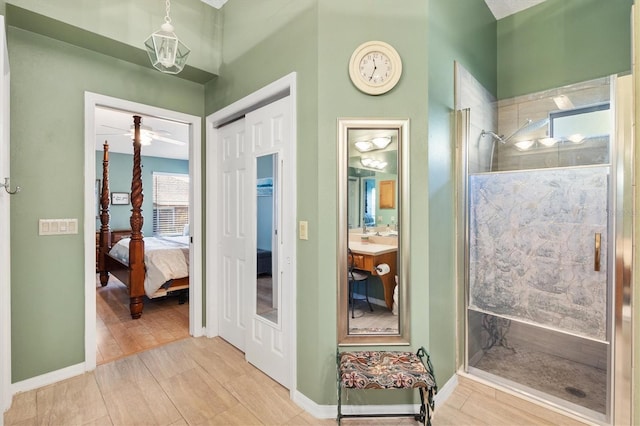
(375, 67)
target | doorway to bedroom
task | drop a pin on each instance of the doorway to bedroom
(166, 212)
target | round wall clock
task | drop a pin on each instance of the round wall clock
(375, 67)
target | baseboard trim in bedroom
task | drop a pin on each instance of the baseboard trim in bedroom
(47, 378)
(331, 411)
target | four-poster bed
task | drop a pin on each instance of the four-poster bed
(160, 269)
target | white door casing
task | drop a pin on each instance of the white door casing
(5, 248)
(93, 100)
(233, 270)
(287, 254)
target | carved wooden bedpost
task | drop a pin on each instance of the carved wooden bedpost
(136, 245)
(105, 233)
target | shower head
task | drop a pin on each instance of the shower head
(528, 127)
(494, 135)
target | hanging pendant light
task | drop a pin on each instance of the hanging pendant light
(166, 52)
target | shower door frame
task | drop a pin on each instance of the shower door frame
(619, 256)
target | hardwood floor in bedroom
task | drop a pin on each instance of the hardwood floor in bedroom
(163, 321)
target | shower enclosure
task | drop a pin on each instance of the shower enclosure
(543, 189)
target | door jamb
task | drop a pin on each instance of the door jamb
(5, 230)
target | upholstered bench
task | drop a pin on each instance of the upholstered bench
(388, 370)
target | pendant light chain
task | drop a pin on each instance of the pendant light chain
(167, 18)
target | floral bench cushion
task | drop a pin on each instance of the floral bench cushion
(383, 370)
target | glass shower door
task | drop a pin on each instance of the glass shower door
(539, 246)
(538, 280)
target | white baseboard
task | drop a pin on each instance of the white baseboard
(199, 332)
(316, 410)
(445, 391)
(331, 411)
(48, 378)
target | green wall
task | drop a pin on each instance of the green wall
(317, 43)
(120, 166)
(342, 27)
(48, 81)
(474, 47)
(560, 42)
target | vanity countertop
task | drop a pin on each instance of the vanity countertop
(371, 248)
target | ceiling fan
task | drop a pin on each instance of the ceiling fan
(147, 135)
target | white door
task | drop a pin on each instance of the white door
(267, 342)
(264, 136)
(234, 269)
(5, 274)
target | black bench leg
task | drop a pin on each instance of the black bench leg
(339, 404)
(425, 416)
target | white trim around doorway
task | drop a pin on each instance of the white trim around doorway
(93, 100)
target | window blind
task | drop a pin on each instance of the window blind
(170, 203)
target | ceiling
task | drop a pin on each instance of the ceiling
(170, 138)
(502, 8)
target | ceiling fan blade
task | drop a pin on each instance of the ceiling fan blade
(162, 132)
(117, 128)
(157, 137)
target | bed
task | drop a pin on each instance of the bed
(148, 266)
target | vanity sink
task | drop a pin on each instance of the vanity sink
(388, 234)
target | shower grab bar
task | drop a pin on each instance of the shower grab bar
(596, 260)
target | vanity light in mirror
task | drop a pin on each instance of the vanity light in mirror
(373, 231)
(372, 163)
(381, 142)
(364, 146)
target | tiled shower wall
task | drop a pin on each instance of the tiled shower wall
(513, 113)
(484, 116)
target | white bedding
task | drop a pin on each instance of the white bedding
(165, 258)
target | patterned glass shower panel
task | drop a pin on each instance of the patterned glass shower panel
(532, 247)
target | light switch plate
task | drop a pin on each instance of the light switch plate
(57, 226)
(304, 230)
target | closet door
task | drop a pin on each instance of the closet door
(268, 343)
(234, 230)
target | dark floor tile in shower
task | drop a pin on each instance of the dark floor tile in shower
(572, 381)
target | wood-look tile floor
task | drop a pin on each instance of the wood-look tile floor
(202, 381)
(163, 321)
(380, 321)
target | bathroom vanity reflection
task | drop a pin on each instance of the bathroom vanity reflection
(373, 231)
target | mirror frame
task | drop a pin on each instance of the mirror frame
(402, 127)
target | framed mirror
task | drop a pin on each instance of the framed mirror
(373, 231)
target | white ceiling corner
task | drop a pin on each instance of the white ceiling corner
(215, 3)
(502, 8)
